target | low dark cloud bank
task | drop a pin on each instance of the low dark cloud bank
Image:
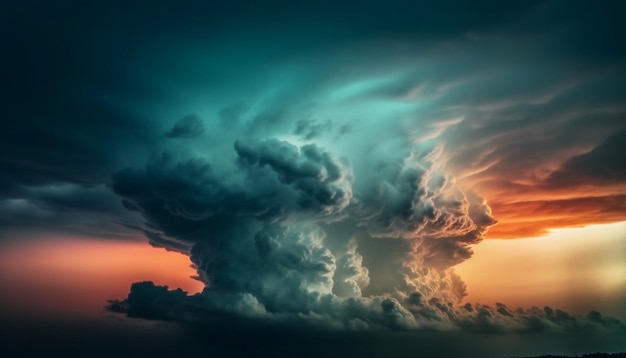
(149, 301)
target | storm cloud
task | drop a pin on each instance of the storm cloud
(328, 164)
(257, 228)
(278, 239)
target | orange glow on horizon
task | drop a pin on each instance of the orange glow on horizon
(574, 269)
(78, 276)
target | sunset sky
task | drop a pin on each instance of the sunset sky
(399, 173)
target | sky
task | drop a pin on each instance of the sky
(315, 178)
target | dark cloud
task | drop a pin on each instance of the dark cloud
(322, 180)
(66, 208)
(602, 165)
(65, 143)
(291, 266)
(149, 301)
(343, 214)
(271, 236)
(80, 115)
(309, 128)
(190, 126)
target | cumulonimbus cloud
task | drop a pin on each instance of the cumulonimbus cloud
(276, 235)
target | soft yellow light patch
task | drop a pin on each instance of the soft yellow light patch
(576, 268)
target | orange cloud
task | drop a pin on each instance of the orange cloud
(533, 218)
(531, 196)
(525, 218)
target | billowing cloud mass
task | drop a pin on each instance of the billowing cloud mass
(325, 164)
(276, 231)
(275, 234)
